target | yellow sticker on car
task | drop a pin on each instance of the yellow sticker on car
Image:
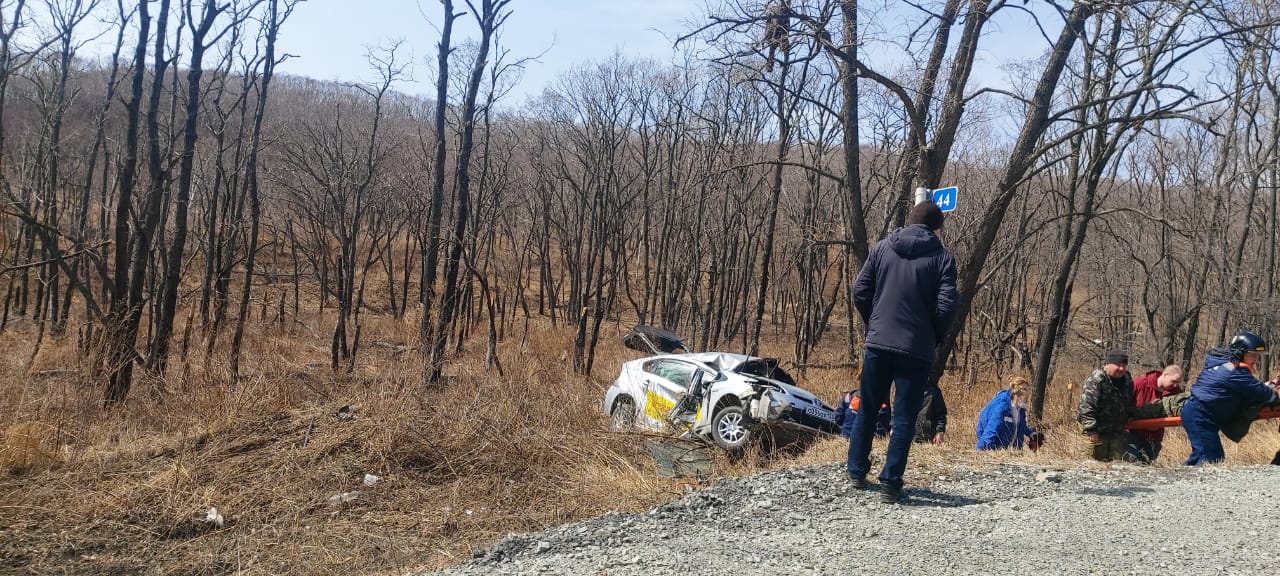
(657, 407)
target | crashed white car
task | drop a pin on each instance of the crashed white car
(726, 399)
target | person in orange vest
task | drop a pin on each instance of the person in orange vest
(847, 413)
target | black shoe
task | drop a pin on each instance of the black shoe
(890, 495)
(859, 483)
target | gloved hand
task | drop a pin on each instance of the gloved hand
(1035, 441)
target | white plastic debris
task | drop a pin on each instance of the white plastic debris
(1048, 476)
(214, 517)
(370, 479)
(343, 497)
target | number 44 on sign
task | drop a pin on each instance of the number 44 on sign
(946, 198)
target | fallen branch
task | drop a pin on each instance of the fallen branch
(833, 366)
(18, 267)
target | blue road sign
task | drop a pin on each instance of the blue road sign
(946, 198)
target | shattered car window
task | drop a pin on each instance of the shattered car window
(653, 340)
(766, 368)
(678, 372)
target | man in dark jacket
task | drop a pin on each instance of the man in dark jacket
(1224, 391)
(905, 294)
(1144, 445)
(1106, 402)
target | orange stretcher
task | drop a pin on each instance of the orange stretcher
(1158, 423)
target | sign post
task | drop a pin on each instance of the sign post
(946, 198)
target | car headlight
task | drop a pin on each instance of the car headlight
(775, 406)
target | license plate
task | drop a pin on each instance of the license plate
(820, 413)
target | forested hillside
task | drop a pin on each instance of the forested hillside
(202, 259)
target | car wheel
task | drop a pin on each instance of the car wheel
(623, 417)
(731, 429)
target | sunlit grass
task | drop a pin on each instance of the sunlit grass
(126, 490)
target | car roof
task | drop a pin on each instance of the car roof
(717, 360)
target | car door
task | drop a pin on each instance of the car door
(666, 383)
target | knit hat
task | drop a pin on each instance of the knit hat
(1118, 357)
(926, 213)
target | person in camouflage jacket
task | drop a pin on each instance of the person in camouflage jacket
(1106, 403)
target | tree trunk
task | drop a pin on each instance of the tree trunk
(251, 173)
(158, 357)
(1021, 159)
(119, 348)
(431, 237)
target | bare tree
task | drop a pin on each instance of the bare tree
(490, 17)
(333, 176)
(435, 205)
(201, 27)
(121, 330)
(277, 12)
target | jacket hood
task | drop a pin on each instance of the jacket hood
(1004, 397)
(1217, 357)
(914, 240)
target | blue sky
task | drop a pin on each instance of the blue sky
(329, 36)
(328, 39)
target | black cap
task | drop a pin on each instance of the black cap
(926, 213)
(1118, 357)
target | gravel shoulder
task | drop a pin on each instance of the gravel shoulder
(1002, 519)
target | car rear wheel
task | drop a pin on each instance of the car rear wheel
(731, 429)
(623, 417)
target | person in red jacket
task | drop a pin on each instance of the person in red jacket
(1144, 445)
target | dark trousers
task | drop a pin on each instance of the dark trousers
(1110, 447)
(1202, 431)
(1143, 449)
(882, 369)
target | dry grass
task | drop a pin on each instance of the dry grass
(27, 447)
(126, 491)
(88, 491)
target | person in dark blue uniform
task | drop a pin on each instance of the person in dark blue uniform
(847, 414)
(1224, 393)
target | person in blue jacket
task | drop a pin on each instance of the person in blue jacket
(1223, 392)
(847, 413)
(1003, 422)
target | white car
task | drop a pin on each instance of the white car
(723, 398)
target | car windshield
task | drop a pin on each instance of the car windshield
(765, 368)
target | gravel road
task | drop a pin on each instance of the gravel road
(1004, 519)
